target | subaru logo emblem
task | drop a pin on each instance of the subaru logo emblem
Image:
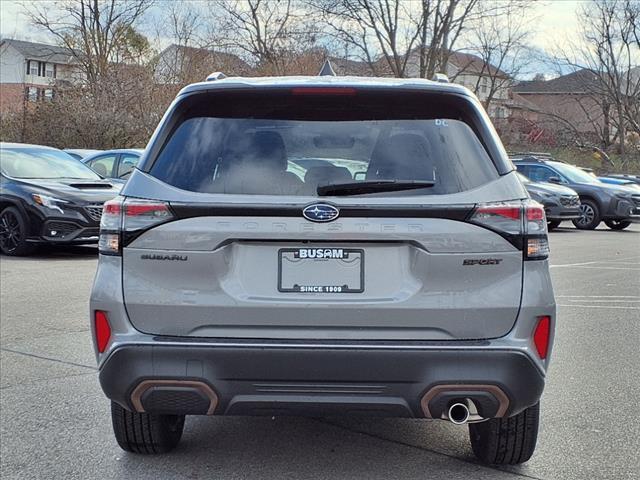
(320, 212)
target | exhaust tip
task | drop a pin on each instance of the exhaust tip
(458, 413)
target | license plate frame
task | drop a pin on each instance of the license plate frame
(321, 288)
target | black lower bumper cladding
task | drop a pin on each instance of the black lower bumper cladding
(234, 380)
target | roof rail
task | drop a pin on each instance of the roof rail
(216, 76)
(327, 70)
(532, 154)
(440, 78)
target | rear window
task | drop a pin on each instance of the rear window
(290, 145)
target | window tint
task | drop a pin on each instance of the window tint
(103, 165)
(539, 173)
(274, 147)
(127, 163)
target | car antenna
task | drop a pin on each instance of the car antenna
(327, 69)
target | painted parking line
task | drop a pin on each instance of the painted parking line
(618, 307)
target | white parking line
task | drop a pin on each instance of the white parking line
(598, 306)
(593, 265)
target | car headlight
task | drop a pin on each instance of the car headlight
(49, 202)
(546, 195)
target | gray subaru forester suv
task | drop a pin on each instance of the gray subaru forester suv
(324, 246)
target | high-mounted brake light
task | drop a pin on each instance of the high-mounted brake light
(541, 336)
(323, 91)
(128, 216)
(102, 330)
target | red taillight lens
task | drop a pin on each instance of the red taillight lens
(541, 336)
(103, 330)
(524, 224)
(323, 91)
(110, 225)
(142, 214)
(130, 215)
(503, 217)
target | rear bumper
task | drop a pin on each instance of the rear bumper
(313, 380)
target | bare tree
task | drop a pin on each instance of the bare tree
(402, 38)
(499, 40)
(609, 49)
(96, 32)
(266, 32)
(373, 28)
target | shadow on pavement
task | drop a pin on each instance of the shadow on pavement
(53, 252)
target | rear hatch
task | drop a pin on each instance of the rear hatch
(317, 214)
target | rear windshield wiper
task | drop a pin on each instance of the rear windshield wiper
(372, 186)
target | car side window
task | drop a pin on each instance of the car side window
(539, 173)
(127, 163)
(103, 165)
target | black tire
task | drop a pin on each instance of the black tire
(13, 233)
(146, 433)
(553, 224)
(590, 216)
(506, 441)
(617, 224)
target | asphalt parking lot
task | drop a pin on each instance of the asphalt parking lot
(55, 422)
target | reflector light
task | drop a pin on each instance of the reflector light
(102, 329)
(541, 336)
(323, 91)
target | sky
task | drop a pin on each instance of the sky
(555, 20)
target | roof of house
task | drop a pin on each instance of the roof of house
(41, 51)
(469, 63)
(580, 81)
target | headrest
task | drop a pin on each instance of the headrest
(404, 156)
(267, 149)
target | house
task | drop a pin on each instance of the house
(567, 103)
(30, 71)
(178, 64)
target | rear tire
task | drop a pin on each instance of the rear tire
(13, 233)
(617, 224)
(553, 224)
(506, 441)
(146, 433)
(590, 216)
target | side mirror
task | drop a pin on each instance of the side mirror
(554, 180)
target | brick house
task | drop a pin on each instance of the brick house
(29, 72)
(568, 104)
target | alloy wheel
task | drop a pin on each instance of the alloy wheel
(10, 233)
(587, 214)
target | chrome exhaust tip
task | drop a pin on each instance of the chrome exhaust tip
(458, 413)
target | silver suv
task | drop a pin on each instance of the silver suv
(322, 246)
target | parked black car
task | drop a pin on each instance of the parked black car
(46, 196)
(560, 203)
(616, 205)
(114, 163)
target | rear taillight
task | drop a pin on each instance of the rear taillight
(102, 329)
(524, 224)
(122, 219)
(541, 336)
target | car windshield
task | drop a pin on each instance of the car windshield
(574, 174)
(43, 163)
(295, 147)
